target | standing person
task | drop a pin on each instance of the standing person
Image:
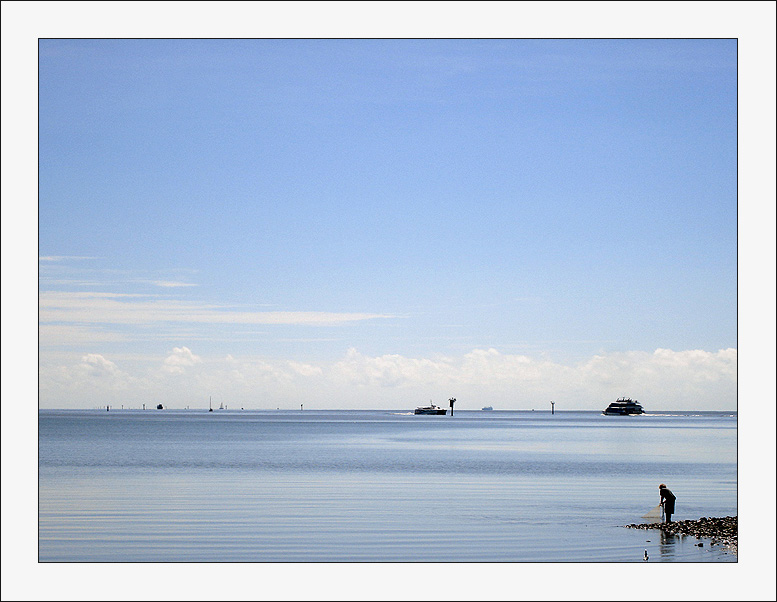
(667, 501)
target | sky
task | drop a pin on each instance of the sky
(356, 223)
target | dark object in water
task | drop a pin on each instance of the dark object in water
(623, 407)
(159, 407)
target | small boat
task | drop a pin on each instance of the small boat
(431, 409)
(160, 407)
(623, 407)
(487, 408)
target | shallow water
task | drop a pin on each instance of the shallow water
(376, 486)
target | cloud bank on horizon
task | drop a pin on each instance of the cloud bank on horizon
(662, 380)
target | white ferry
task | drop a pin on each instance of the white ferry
(431, 409)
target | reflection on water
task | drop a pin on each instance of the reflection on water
(671, 546)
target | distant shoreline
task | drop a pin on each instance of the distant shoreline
(720, 530)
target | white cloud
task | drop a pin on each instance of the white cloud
(116, 309)
(179, 359)
(389, 370)
(668, 379)
(661, 380)
(685, 370)
(91, 380)
(171, 283)
(95, 365)
(305, 369)
(489, 365)
(58, 258)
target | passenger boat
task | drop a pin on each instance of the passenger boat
(431, 409)
(623, 407)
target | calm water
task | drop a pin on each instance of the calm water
(377, 486)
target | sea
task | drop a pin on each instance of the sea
(377, 486)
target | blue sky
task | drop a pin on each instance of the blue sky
(303, 202)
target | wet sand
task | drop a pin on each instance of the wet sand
(722, 531)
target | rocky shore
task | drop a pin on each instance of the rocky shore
(722, 531)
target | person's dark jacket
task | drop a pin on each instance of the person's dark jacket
(667, 498)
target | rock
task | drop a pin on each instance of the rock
(719, 530)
